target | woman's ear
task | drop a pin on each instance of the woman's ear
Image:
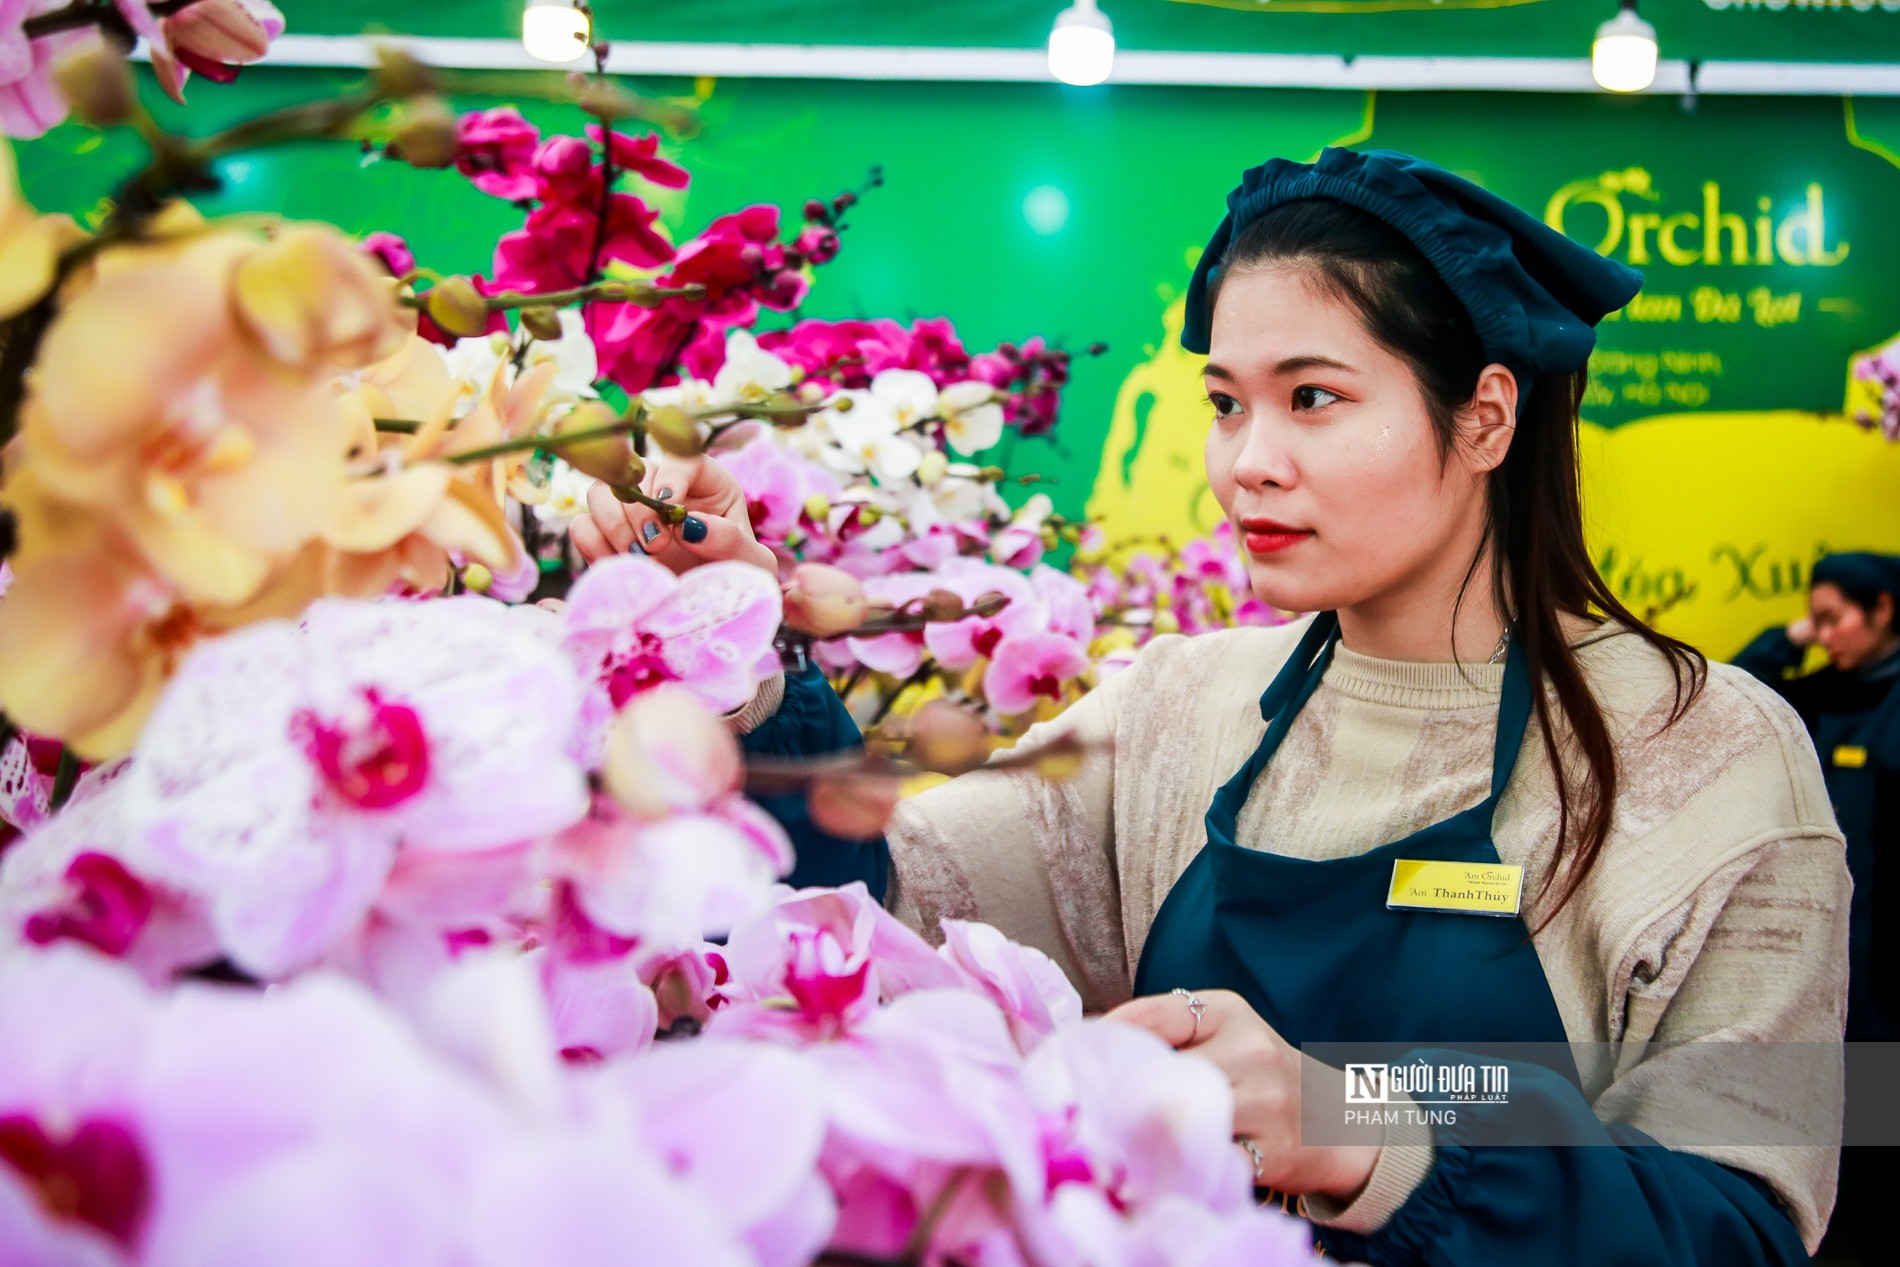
(1490, 419)
(1882, 613)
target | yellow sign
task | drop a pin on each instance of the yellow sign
(1471, 888)
(1850, 756)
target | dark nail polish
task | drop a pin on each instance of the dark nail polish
(649, 531)
(694, 530)
(663, 494)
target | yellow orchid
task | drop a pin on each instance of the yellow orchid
(407, 526)
(30, 243)
(88, 639)
(159, 405)
(313, 301)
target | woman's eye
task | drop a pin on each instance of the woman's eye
(1225, 406)
(1312, 398)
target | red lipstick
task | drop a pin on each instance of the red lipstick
(1270, 536)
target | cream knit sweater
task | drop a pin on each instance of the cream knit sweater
(1717, 911)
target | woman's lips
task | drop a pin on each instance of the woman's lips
(1267, 536)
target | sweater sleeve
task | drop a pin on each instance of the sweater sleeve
(809, 720)
(1614, 1196)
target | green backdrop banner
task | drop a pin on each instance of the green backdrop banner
(1719, 461)
(1749, 30)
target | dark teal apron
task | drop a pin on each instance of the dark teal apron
(1310, 943)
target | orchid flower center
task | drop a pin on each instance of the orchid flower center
(1046, 684)
(106, 907)
(641, 666)
(822, 978)
(986, 639)
(97, 1176)
(375, 761)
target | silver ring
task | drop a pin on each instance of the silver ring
(1196, 1008)
(1253, 1151)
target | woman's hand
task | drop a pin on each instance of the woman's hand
(717, 525)
(1265, 1072)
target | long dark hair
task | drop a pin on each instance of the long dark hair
(1540, 567)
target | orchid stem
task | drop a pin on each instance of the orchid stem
(552, 443)
(398, 426)
(64, 780)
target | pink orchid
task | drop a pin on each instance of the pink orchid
(495, 150)
(556, 249)
(667, 754)
(1065, 603)
(835, 953)
(283, 768)
(777, 485)
(1018, 546)
(1029, 667)
(76, 1171)
(30, 102)
(671, 883)
(747, 1121)
(959, 644)
(899, 654)
(65, 882)
(640, 155)
(1026, 984)
(685, 982)
(214, 38)
(631, 624)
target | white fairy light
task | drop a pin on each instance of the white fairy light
(1081, 45)
(1623, 56)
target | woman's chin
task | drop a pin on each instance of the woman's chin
(1288, 591)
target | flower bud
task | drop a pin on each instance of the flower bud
(853, 806)
(816, 211)
(933, 468)
(454, 304)
(477, 579)
(609, 457)
(674, 431)
(1166, 622)
(542, 322)
(868, 515)
(945, 739)
(427, 135)
(943, 605)
(823, 601)
(817, 508)
(400, 75)
(667, 753)
(97, 83)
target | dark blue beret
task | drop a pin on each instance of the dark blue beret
(1534, 295)
(1861, 570)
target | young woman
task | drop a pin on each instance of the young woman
(1852, 711)
(1395, 363)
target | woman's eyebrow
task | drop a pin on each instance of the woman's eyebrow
(1292, 365)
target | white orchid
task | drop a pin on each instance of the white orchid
(972, 420)
(869, 438)
(567, 497)
(910, 396)
(472, 363)
(572, 354)
(751, 374)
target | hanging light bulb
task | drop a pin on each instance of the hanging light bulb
(1081, 45)
(556, 32)
(1623, 57)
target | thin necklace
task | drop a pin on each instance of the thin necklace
(1503, 641)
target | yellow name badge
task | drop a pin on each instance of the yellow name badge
(1850, 756)
(1467, 888)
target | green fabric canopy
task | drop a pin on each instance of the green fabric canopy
(1691, 30)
